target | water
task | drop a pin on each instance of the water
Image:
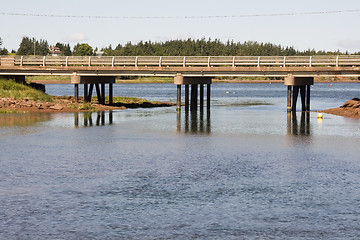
(245, 170)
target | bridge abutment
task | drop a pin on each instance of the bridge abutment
(194, 87)
(296, 85)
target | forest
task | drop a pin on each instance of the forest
(188, 47)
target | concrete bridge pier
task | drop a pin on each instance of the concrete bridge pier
(93, 81)
(195, 85)
(296, 85)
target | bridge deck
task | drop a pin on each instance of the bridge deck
(345, 65)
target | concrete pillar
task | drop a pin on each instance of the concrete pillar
(208, 96)
(187, 97)
(178, 101)
(111, 92)
(299, 83)
(102, 93)
(308, 97)
(85, 92)
(76, 89)
(289, 99)
(303, 97)
(201, 96)
(193, 97)
(295, 97)
(179, 79)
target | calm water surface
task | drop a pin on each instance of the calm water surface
(244, 170)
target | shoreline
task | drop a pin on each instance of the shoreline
(69, 104)
(350, 109)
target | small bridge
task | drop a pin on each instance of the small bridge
(194, 71)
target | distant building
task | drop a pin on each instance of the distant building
(54, 51)
(99, 53)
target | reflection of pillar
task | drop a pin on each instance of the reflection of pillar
(76, 119)
(178, 121)
(110, 117)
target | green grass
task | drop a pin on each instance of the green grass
(17, 91)
(29, 79)
(87, 107)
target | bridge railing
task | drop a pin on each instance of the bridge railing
(185, 61)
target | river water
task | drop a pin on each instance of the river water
(244, 170)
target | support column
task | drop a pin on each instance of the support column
(201, 96)
(76, 89)
(98, 92)
(308, 97)
(289, 99)
(111, 94)
(187, 97)
(193, 97)
(85, 92)
(90, 93)
(208, 96)
(301, 84)
(295, 96)
(179, 79)
(178, 102)
(103, 93)
(303, 98)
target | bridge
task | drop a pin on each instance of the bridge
(194, 71)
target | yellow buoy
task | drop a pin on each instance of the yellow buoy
(320, 115)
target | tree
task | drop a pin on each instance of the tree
(83, 49)
(27, 46)
(64, 48)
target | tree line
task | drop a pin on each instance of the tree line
(188, 47)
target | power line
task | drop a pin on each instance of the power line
(180, 17)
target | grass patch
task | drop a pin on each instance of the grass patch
(127, 100)
(87, 107)
(29, 79)
(17, 91)
(10, 111)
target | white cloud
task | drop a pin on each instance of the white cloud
(77, 37)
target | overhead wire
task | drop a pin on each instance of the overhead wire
(180, 17)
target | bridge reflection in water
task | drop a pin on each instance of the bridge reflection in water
(86, 119)
(295, 127)
(194, 122)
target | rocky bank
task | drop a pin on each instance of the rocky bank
(350, 108)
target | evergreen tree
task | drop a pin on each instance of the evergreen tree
(27, 46)
(64, 48)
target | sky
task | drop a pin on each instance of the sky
(161, 20)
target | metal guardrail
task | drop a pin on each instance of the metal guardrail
(186, 61)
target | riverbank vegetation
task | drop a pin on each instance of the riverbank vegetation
(19, 98)
(11, 89)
